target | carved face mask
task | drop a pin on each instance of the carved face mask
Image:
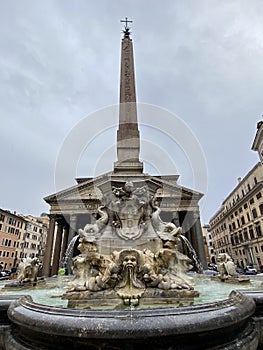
(129, 261)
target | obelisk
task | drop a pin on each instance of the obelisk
(128, 135)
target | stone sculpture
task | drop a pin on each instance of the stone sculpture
(28, 270)
(134, 272)
(227, 269)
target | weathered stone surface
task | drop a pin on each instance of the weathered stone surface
(143, 253)
(222, 325)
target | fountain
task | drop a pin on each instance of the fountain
(148, 269)
(130, 290)
(130, 287)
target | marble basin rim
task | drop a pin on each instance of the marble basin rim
(118, 324)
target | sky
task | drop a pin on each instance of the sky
(199, 74)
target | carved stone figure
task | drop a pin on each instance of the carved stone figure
(129, 210)
(167, 231)
(28, 270)
(130, 288)
(173, 266)
(132, 273)
(226, 266)
(92, 231)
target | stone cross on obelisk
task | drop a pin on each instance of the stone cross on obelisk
(128, 135)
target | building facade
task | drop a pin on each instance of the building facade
(32, 241)
(258, 141)
(12, 227)
(237, 227)
(21, 237)
(209, 249)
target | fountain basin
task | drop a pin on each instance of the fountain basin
(225, 324)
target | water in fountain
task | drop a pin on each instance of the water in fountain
(192, 254)
(67, 261)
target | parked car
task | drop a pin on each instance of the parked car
(240, 270)
(212, 267)
(5, 273)
(249, 270)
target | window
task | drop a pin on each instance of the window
(258, 230)
(245, 234)
(251, 232)
(245, 206)
(259, 195)
(248, 217)
(251, 201)
(254, 213)
(256, 249)
(242, 220)
(255, 180)
(261, 209)
(248, 187)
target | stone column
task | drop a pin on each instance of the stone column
(72, 227)
(175, 219)
(57, 249)
(199, 239)
(49, 247)
(64, 243)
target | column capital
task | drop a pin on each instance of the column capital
(52, 216)
(60, 220)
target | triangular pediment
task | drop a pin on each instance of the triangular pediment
(92, 188)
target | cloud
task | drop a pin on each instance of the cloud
(60, 62)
